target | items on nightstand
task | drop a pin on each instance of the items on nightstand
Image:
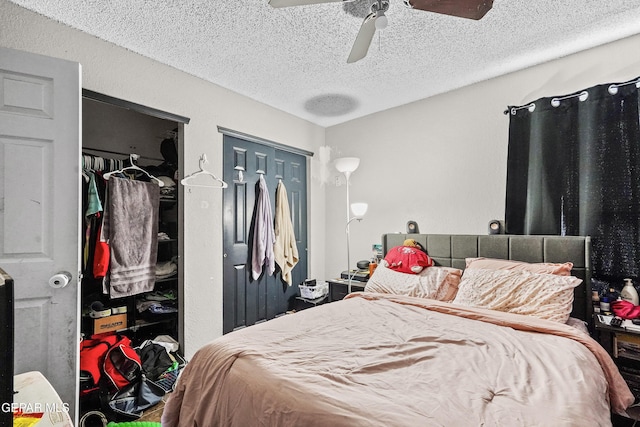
(595, 300)
(355, 275)
(605, 305)
(629, 292)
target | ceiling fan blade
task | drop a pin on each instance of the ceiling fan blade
(471, 9)
(363, 39)
(287, 3)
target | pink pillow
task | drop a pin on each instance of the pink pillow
(547, 296)
(563, 269)
(439, 283)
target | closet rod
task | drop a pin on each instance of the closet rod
(119, 154)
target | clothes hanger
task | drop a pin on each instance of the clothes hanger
(133, 166)
(203, 171)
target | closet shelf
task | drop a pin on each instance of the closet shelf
(146, 323)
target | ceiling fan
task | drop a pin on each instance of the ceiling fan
(377, 20)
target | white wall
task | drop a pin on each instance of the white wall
(117, 72)
(442, 161)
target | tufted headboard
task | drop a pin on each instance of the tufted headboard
(450, 250)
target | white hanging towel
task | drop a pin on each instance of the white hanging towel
(285, 249)
(263, 235)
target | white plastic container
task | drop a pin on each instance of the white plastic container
(629, 292)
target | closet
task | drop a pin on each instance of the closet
(246, 158)
(118, 136)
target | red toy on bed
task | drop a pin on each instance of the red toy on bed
(408, 258)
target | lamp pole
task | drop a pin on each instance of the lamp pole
(347, 165)
(347, 174)
(349, 275)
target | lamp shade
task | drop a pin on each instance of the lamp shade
(347, 164)
(359, 209)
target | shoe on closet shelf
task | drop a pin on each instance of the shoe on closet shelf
(97, 310)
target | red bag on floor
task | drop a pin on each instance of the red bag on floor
(122, 365)
(92, 352)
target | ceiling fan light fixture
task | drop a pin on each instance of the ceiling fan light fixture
(381, 20)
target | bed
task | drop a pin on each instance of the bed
(387, 358)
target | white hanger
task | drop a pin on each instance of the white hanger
(133, 166)
(203, 171)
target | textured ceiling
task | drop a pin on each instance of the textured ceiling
(294, 59)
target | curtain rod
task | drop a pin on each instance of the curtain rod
(555, 102)
(613, 89)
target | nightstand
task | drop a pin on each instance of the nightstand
(623, 344)
(339, 288)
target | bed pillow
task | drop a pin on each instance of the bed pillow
(547, 296)
(560, 269)
(439, 283)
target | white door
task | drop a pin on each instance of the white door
(40, 211)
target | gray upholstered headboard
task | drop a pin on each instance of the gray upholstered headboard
(451, 250)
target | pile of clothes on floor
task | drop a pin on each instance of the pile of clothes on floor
(122, 380)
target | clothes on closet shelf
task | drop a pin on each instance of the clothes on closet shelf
(157, 303)
(167, 269)
(285, 248)
(263, 234)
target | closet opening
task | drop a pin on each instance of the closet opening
(117, 134)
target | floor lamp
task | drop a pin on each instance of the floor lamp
(347, 165)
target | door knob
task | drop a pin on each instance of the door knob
(60, 279)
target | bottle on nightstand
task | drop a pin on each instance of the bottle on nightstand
(595, 300)
(629, 292)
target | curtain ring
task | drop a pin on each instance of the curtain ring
(613, 89)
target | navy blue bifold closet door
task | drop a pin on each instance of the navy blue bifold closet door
(247, 301)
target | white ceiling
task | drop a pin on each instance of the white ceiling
(294, 59)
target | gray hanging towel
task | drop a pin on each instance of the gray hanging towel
(263, 235)
(131, 227)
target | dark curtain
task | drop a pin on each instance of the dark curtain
(574, 169)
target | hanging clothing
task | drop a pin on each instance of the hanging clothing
(94, 205)
(285, 249)
(263, 234)
(130, 225)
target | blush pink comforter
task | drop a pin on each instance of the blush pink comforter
(385, 360)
